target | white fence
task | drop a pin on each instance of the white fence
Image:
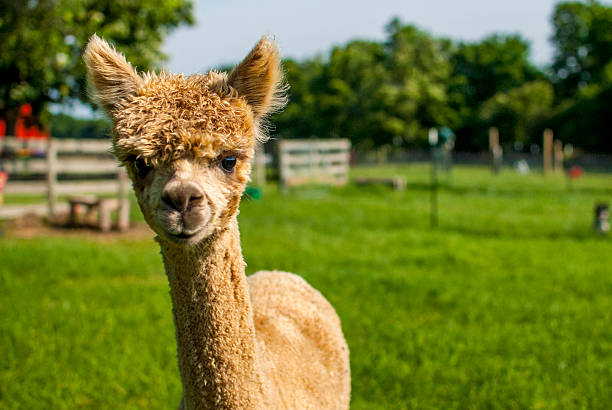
(314, 161)
(66, 167)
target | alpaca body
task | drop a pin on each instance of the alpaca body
(305, 353)
(265, 342)
(244, 343)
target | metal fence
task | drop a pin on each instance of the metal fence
(592, 162)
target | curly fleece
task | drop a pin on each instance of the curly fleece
(174, 116)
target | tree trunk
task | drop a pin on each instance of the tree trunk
(10, 119)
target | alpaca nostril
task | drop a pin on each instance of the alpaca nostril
(195, 199)
(166, 199)
(181, 196)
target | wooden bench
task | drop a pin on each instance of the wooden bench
(397, 183)
(87, 160)
(103, 208)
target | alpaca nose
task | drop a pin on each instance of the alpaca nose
(182, 195)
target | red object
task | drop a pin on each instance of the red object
(25, 125)
(576, 172)
(3, 180)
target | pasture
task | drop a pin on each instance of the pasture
(507, 304)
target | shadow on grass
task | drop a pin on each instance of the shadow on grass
(459, 189)
(579, 233)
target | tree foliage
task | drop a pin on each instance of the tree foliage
(354, 92)
(41, 42)
(584, 121)
(373, 93)
(496, 64)
(65, 126)
(520, 112)
(389, 93)
(583, 46)
(419, 68)
(377, 94)
(582, 74)
(482, 70)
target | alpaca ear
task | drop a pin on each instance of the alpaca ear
(259, 79)
(112, 79)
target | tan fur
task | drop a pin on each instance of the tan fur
(115, 80)
(259, 78)
(267, 342)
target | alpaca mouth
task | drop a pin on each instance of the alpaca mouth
(182, 228)
(183, 237)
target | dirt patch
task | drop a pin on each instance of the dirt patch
(34, 226)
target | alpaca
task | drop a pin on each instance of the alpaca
(269, 341)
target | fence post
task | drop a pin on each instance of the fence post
(495, 149)
(282, 166)
(123, 221)
(433, 195)
(558, 156)
(547, 147)
(51, 175)
(259, 165)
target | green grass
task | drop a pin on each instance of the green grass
(506, 305)
(24, 199)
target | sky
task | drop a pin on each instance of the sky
(226, 30)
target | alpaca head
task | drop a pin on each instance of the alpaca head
(186, 141)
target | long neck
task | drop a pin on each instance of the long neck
(214, 323)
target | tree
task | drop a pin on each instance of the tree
(41, 43)
(583, 46)
(481, 70)
(420, 72)
(301, 119)
(390, 93)
(585, 122)
(27, 67)
(65, 126)
(520, 112)
(352, 93)
(375, 94)
(582, 74)
(496, 64)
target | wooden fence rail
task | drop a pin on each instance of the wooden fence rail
(69, 167)
(314, 161)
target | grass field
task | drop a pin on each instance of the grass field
(507, 304)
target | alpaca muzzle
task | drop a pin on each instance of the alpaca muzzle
(183, 210)
(182, 196)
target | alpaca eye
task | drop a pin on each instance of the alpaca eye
(142, 169)
(228, 163)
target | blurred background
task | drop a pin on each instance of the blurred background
(442, 173)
